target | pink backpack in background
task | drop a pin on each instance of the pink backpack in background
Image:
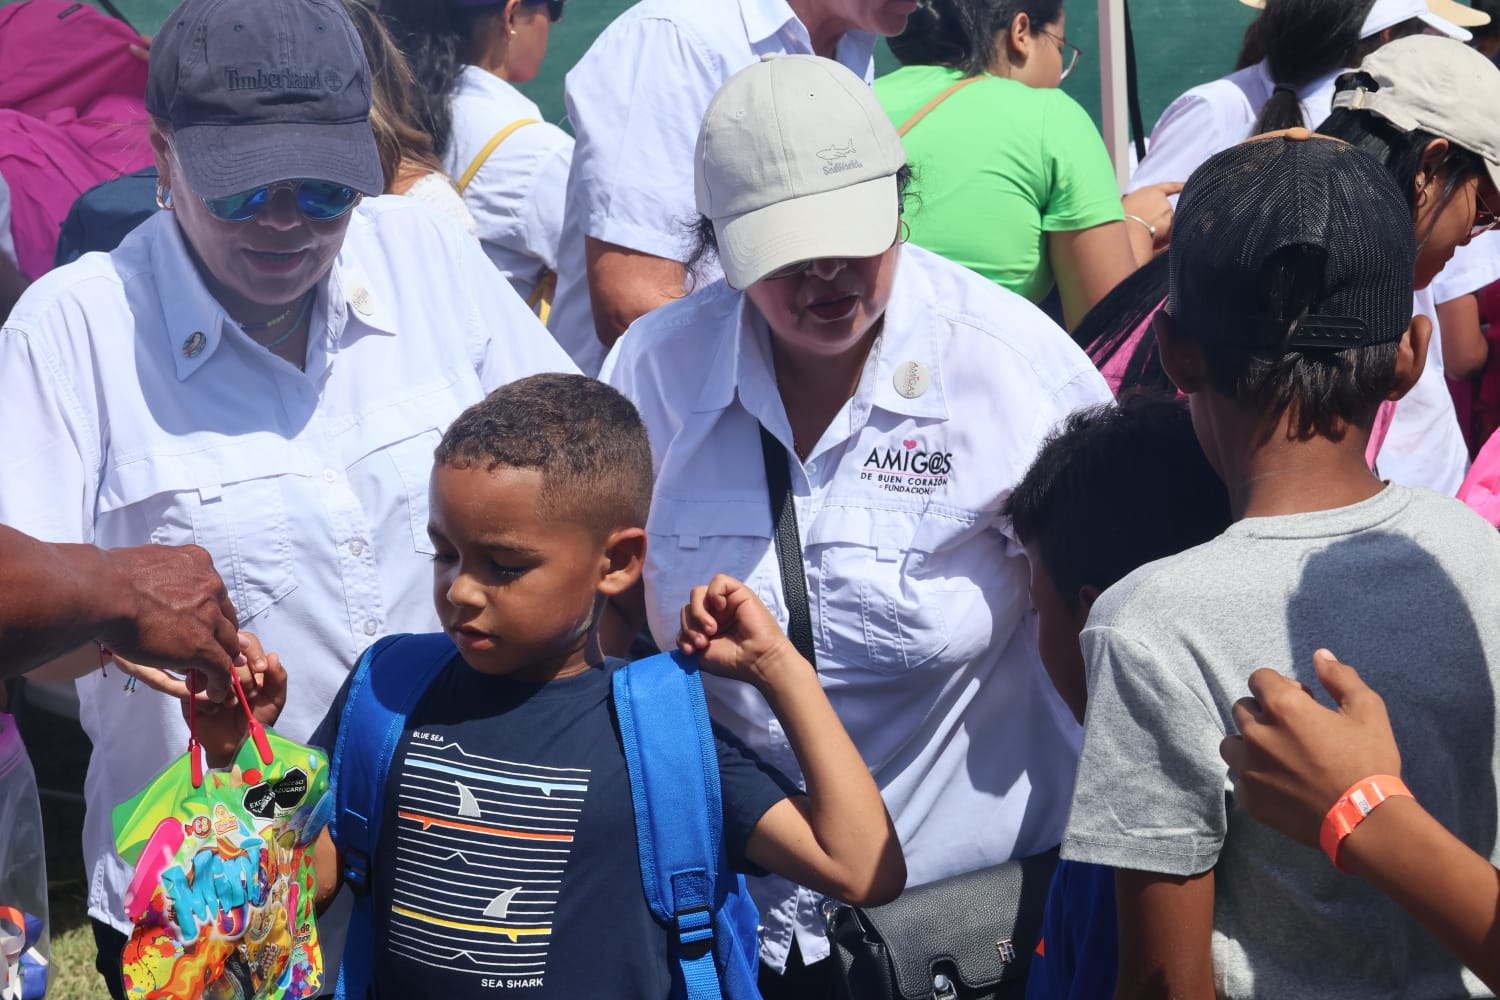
(72, 114)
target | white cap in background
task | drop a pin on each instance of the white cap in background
(1441, 16)
(796, 161)
(1437, 85)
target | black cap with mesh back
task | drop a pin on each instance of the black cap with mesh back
(1293, 189)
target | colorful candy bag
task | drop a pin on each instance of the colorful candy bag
(23, 874)
(222, 897)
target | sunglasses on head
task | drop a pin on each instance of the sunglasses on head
(554, 8)
(318, 201)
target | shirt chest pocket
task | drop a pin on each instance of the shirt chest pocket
(886, 597)
(244, 525)
(690, 541)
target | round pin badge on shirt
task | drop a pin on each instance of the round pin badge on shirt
(911, 379)
(193, 346)
(362, 303)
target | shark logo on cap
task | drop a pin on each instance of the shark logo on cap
(836, 152)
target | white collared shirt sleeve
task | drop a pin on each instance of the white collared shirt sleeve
(1473, 266)
(511, 342)
(518, 193)
(1208, 118)
(636, 100)
(52, 430)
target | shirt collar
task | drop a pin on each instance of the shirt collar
(765, 18)
(196, 322)
(909, 345)
(909, 337)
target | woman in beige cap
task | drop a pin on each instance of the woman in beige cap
(882, 401)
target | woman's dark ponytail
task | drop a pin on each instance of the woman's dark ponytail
(1304, 40)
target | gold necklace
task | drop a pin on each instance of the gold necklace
(296, 323)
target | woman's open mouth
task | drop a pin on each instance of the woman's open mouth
(832, 310)
(275, 263)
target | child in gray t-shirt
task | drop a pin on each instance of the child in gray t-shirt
(1289, 321)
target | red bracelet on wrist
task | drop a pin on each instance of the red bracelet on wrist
(1352, 808)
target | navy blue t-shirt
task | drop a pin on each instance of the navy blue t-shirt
(507, 859)
(1078, 956)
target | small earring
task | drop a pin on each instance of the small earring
(903, 231)
(163, 198)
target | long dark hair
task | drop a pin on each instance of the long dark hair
(436, 40)
(1400, 152)
(1303, 40)
(962, 33)
(1106, 330)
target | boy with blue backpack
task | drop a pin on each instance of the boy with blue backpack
(518, 814)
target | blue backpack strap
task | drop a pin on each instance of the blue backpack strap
(388, 681)
(679, 821)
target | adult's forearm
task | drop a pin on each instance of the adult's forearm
(53, 598)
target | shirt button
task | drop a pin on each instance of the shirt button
(329, 476)
(371, 626)
(356, 547)
(812, 467)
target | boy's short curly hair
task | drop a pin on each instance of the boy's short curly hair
(584, 437)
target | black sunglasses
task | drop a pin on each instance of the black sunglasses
(554, 8)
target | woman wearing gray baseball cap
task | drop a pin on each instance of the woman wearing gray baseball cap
(263, 369)
(890, 399)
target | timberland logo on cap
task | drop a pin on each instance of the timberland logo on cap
(285, 79)
(838, 158)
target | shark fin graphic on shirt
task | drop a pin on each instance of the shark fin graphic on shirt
(468, 805)
(499, 907)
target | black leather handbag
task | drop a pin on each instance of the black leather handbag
(966, 937)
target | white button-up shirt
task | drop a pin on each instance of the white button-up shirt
(1213, 116)
(516, 198)
(923, 628)
(636, 100)
(1425, 446)
(136, 411)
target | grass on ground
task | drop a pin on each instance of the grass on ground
(59, 753)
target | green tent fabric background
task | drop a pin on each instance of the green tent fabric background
(1178, 43)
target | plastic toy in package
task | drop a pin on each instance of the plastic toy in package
(23, 966)
(222, 897)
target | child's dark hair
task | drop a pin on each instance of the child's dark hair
(703, 241)
(585, 438)
(1116, 487)
(963, 34)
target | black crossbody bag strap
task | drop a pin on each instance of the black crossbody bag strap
(788, 545)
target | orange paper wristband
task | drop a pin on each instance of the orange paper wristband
(1352, 808)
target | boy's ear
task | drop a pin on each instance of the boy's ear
(624, 556)
(1087, 595)
(1411, 356)
(1181, 358)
